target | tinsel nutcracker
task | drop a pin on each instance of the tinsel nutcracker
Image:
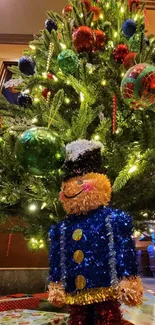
(93, 264)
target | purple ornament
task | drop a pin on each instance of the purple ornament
(50, 25)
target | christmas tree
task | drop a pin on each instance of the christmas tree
(75, 83)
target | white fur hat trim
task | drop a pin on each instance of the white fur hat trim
(79, 147)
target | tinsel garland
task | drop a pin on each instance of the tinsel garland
(108, 313)
(130, 291)
(78, 315)
(114, 110)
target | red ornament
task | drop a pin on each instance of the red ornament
(67, 9)
(50, 76)
(99, 39)
(83, 39)
(87, 4)
(133, 4)
(129, 60)
(96, 10)
(120, 52)
(45, 92)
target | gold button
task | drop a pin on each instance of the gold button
(78, 256)
(80, 282)
(77, 234)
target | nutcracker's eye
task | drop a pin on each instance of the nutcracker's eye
(80, 182)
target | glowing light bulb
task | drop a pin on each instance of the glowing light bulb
(36, 99)
(44, 74)
(32, 207)
(136, 17)
(55, 78)
(115, 34)
(101, 16)
(122, 10)
(145, 214)
(63, 46)
(122, 74)
(103, 82)
(81, 97)
(68, 82)
(67, 100)
(40, 87)
(41, 246)
(107, 5)
(81, 15)
(96, 137)
(43, 205)
(3, 198)
(34, 120)
(132, 169)
(151, 230)
(32, 47)
(26, 91)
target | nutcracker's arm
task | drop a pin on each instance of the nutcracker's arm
(130, 287)
(56, 290)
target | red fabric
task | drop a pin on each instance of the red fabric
(24, 303)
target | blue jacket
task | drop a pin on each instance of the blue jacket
(97, 246)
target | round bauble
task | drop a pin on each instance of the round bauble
(133, 4)
(99, 39)
(96, 10)
(39, 151)
(45, 92)
(67, 10)
(129, 60)
(68, 61)
(50, 25)
(24, 100)
(87, 4)
(138, 86)
(120, 52)
(50, 76)
(26, 65)
(129, 27)
(83, 39)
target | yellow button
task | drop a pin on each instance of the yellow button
(80, 282)
(78, 256)
(77, 234)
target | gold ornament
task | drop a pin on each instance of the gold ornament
(77, 234)
(80, 282)
(78, 256)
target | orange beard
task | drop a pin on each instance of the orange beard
(84, 193)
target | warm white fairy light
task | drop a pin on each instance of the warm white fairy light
(44, 74)
(34, 120)
(132, 169)
(32, 207)
(103, 82)
(151, 230)
(136, 17)
(115, 34)
(67, 100)
(101, 16)
(107, 4)
(63, 46)
(32, 47)
(36, 99)
(96, 137)
(68, 82)
(3, 198)
(43, 205)
(122, 74)
(55, 78)
(82, 97)
(122, 10)
(26, 91)
(81, 15)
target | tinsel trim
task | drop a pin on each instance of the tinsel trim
(130, 291)
(112, 253)
(79, 147)
(87, 296)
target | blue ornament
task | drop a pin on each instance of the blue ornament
(50, 25)
(24, 100)
(26, 65)
(129, 27)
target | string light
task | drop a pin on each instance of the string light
(40, 87)
(36, 99)
(43, 205)
(34, 120)
(81, 97)
(3, 198)
(36, 244)
(103, 82)
(132, 169)
(57, 156)
(122, 10)
(136, 17)
(32, 207)
(32, 47)
(145, 214)
(107, 5)
(55, 78)
(81, 15)
(151, 230)
(115, 34)
(101, 16)
(26, 91)
(122, 74)
(63, 46)
(68, 82)
(96, 137)
(67, 100)
(44, 74)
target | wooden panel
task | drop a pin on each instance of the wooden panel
(150, 5)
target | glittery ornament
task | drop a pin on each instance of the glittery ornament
(129, 27)
(120, 52)
(96, 10)
(99, 39)
(131, 291)
(50, 25)
(133, 4)
(26, 65)
(108, 313)
(138, 86)
(67, 10)
(24, 100)
(78, 315)
(83, 39)
(50, 76)
(45, 92)
(39, 151)
(129, 60)
(78, 256)
(87, 4)
(68, 61)
(77, 234)
(76, 197)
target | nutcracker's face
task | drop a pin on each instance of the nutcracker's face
(84, 193)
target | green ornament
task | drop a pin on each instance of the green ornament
(40, 151)
(68, 61)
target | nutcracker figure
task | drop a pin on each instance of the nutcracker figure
(93, 264)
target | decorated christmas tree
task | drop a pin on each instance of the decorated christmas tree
(88, 75)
